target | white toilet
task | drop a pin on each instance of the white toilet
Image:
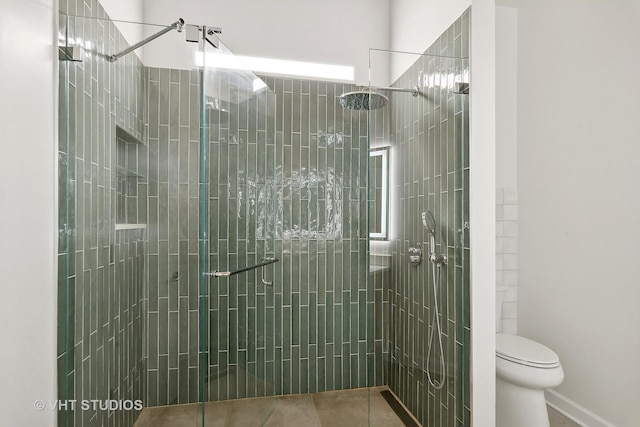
(524, 369)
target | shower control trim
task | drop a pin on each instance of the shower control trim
(415, 254)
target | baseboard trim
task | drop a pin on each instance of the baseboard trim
(575, 412)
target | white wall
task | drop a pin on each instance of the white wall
(578, 175)
(127, 10)
(330, 31)
(482, 160)
(29, 211)
(506, 176)
(124, 10)
(341, 32)
(506, 96)
(416, 24)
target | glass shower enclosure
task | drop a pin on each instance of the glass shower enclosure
(166, 206)
(225, 236)
(238, 214)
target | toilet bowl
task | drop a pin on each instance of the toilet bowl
(524, 369)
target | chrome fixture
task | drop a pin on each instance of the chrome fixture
(368, 99)
(438, 261)
(192, 34)
(263, 263)
(415, 254)
(175, 26)
(430, 225)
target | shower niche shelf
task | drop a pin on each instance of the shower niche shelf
(129, 177)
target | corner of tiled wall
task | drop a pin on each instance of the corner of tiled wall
(507, 260)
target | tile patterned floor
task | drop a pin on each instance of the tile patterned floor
(347, 408)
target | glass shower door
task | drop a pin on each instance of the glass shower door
(237, 240)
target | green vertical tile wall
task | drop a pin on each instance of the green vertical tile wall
(284, 180)
(429, 152)
(102, 271)
(172, 97)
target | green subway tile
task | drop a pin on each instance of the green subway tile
(304, 375)
(322, 330)
(338, 317)
(353, 370)
(286, 332)
(329, 376)
(346, 321)
(295, 370)
(304, 331)
(322, 377)
(330, 308)
(312, 319)
(341, 372)
(286, 378)
(295, 319)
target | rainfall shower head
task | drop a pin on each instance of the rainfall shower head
(429, 223)
(363, 100)
(368, 99)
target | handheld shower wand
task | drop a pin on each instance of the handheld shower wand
(430, 225)
(437, 260)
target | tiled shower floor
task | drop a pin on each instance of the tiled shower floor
(348, 408)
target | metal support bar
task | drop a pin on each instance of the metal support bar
(175, 26)
(265, 261)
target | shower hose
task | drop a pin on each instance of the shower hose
(435, 324)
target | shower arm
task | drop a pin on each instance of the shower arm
(175, 26)
(413, 91)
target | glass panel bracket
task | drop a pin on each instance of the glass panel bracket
(70, 53)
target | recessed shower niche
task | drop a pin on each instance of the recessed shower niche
(129, 174)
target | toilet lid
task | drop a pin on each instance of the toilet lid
(525, 351)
